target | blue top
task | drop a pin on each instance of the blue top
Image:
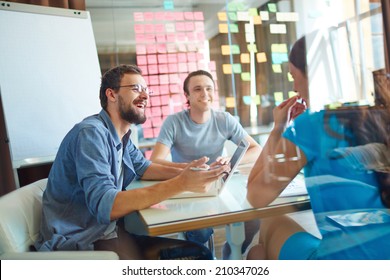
(83, 183)
(189, 141)
(337, 187)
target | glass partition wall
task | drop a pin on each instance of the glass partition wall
(245, 45)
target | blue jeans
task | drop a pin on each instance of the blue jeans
(200, 235)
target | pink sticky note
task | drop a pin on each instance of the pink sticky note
(164, 89)
(198, 16)
(200, 56)
(138, 16)
(176, 98)
(162, 58)
(153, 79)
(148, 112)
(147, 123)
(190, 36)
(174, 78)
(156, 111)
(171, 37)
(160, 38)
(161, 48)
(150, 38)
(199, 25)
(144, 69)
(188, 15)
(141, 60)
(180, 26)
(172, 58)
(149, 28)
(174, 88)
(159, 28)
(182, 47)
(166, 111)
(192, 66)
(183, 67)
(140, 38)
(152, 58)
(155, 101)
(212, 66)
(140, 49)
(190, 26)
(181, 36)
(182, 57)
(201, 36)
(164, 79)
(177, 109)
(149, 16)
(191, 57)
(165, 98)
(171, 48)
(191, 47)
(151, 48)
(169, 16)
(157, 121)
(155, 89)
(159, 16)
(139, 28)
(156, 131)
(172, 68)
(163, 68)
(179, 16)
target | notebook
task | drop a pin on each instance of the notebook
(217, 187)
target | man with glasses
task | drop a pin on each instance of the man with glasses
(85, 199)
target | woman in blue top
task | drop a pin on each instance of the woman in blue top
(346, 159)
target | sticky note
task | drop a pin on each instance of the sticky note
(232, 16)
(151, 48)
(139, 28)
(230, 102)
(291, 94)
(261, 57)
(153, 79)
(141, 60)
(164, 98)
(278, 96)
(140, 49)
(233, 28)
(152, 58)
(272, 7)
(246, 76)
(182, 57)
(168, 5)
(245, 58)
(174, 88)
(237, 69)
(138, 16)
(161, 48)
(242, 16)
(165, 110)
(192, 66)
(172, 68)
(164, 79)
(264, 15)
(179, 16)
(189, 26)
(253, 12)
(149, 28)
(277, 68)
(257, 20)
(188, 15)
(198, 16)
(278, 28)
(222, 16)
(160, 38)
(170, 27)
(250, 37)
(287, 17)
(223, 28)
(148, 133)
(163, 68)
(252, 48)
(227, 68)
(290, 77)
(155, 111)
(199, 25)
(182, 67)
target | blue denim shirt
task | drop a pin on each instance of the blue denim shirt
(83, 183)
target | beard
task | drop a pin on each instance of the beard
(130, 114)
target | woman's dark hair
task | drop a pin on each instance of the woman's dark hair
(112, 79)
(193, 74)
(297, 55)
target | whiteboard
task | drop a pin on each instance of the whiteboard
(49, 77)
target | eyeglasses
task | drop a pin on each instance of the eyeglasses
(139, 89)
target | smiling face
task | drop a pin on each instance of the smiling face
(200, 93)
(132, 103)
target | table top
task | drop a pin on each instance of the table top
(230, 206)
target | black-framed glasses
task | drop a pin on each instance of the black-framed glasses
(139, 89)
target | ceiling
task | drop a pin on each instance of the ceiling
(112, 20)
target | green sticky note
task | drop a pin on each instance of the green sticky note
(237, 68)
(246, 76)
(232, 6)
(235, 49)
(233, 28)
(272, 7)
(232, 16)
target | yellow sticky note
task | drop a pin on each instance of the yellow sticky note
(253, 12)
(230, 102)
(225, 49)
(223, 28)
(222, 16)
(246, 76)
(227, 68)
(279, 48)
(277, 68)
(257, 20)
(291, 94)
(261, 57)
(245, 58)
(252, 48)
(278, 95)
(290, 77)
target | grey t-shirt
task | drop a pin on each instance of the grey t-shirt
(189, 141)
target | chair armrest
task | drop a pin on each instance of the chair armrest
(61, 255)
